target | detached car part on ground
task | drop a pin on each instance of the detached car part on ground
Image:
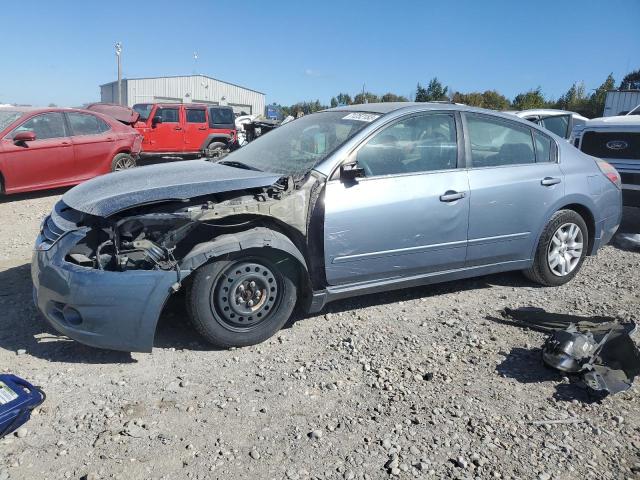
(600, 349)
(345, 202)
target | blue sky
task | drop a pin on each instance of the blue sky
(60, 51)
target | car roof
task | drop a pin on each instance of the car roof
(385, 108)
(547, 111)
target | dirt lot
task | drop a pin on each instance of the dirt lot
(415, 383)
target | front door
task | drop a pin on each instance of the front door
(45, 162)
(514, 180)
(409, 214)
(166, 133)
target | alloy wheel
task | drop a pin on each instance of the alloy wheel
(124, 163)
(565, 249)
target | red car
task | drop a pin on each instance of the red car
(185, 129)
(57, 147)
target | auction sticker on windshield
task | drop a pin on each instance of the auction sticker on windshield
(362, 117)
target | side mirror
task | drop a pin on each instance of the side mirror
(350, 171)
(156, 120)
(22, 137)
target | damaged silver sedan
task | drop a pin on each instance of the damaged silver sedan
(344, 202)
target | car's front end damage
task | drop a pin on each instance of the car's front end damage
(105, 264)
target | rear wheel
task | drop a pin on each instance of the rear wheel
(122, 161)
(561, 250)
(216, 150)
(241, 301)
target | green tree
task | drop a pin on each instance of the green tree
(392, 97)
(631, 80)
(344, 99)
(435, 91)
(494, 100)
(421, 93)
(334, 102)
(596, 101)
(366, 97)
(531, 99)
(575, 99)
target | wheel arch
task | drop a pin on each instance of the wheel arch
(215, 137)
(267, 238)
(589, 219)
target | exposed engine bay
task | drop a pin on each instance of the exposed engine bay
(158, 236)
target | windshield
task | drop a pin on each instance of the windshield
(144, 109)
(298, 146)
(7, 117)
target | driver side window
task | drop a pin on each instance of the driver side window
(45, 126)
(421, 143)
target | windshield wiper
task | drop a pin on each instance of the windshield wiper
(231, 163)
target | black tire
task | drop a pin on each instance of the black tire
(217, 150)
(541, 271)
(122, 161)
(225, 322)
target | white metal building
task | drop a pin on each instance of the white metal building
(619, 102)
(185, 89)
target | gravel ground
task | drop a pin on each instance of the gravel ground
(414, 383)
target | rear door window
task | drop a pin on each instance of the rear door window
(196, 115)
(495, 143)
(46, 125)
(86, 124)
(544, 150)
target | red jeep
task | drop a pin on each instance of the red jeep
(185, 130)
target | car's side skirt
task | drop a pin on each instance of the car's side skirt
(337, 292)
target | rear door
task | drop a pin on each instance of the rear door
(47, 161)
(93, 144)
(409, 214)
(195, 128)
(514, 179)
(168, 134)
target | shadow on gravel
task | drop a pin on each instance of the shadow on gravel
(22, 326)
(525, 366)
(627, 237)
(32, 195)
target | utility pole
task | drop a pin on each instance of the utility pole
(364, 96)
(118, 54)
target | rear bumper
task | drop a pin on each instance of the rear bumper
(114, 310)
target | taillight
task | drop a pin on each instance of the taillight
(610, 172)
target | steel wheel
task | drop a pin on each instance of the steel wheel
(245, 295)
(124, 163)
(565, 249)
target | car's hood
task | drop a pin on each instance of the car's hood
(103, 196)
(624, 120)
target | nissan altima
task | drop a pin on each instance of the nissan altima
(344, 202)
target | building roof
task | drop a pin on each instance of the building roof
(186, 76)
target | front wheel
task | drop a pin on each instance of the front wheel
(241, 301)
(561, 250)
(122, 161)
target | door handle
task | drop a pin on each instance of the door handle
(202, 128)
(178, 128)
(548, 181)
(451, 196)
